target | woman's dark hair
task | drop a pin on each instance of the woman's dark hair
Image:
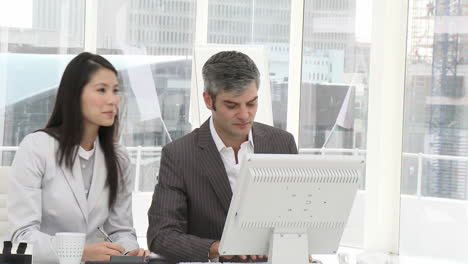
(66, 121)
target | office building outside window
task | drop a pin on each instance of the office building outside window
(151, 42)
(38, 38)
(257, 22)
(433, 223)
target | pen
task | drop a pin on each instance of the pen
(106, 236)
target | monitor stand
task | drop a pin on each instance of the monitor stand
(287, 246)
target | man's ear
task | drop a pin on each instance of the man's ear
(208, 101)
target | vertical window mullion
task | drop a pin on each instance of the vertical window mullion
(90, 34)
(385, 125)
(295, 67)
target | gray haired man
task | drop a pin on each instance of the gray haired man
(199, 171)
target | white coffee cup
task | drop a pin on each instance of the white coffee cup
(69, 247)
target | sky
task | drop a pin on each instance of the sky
(18, 13)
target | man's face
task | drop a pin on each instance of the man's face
(234, 114)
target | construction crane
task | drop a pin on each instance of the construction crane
(446, 178)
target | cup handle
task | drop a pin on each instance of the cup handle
(53, 241)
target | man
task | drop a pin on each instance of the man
(198, 172)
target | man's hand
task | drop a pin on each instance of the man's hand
(214, 253)
(101, 251)
(245, 257)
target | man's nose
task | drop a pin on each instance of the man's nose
(243, 113)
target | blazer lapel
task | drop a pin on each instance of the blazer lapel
(260, 139)
(212, 165)
(75, 181)
(98, 182)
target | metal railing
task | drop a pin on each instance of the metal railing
(136, 154)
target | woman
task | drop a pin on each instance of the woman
(72, 176)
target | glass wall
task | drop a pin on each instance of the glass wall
(257, 22)
(335, 62)
(37, 38)
(434, 188)
(150, 42)
(334, 91)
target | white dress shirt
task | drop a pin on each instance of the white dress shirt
(228, 155)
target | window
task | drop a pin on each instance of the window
(147, 59)
(253, 22)
(339, 64)
(47, 33)
(435, 143)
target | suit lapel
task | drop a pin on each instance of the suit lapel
(213, 167)
(75, 181)
(260, 139)
(98, 181)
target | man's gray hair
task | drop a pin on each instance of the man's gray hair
(230, 71)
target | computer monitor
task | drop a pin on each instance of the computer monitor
(288, 206)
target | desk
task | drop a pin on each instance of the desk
(367, 258)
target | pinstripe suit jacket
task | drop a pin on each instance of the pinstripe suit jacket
(191, 200)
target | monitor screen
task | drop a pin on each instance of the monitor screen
(286, 204)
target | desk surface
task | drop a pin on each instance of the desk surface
(369, 258)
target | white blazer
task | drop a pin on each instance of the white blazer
(46, 198)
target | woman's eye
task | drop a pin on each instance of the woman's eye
(101, 90)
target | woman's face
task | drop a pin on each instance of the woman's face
(100, 99)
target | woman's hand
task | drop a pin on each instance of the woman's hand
(101, 251)
(139, 252)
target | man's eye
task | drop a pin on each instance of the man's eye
(101, 90)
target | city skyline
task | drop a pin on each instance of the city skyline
(19, 14)
(330, 55)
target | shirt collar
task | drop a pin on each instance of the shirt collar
(86, 154)
(219, 143)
